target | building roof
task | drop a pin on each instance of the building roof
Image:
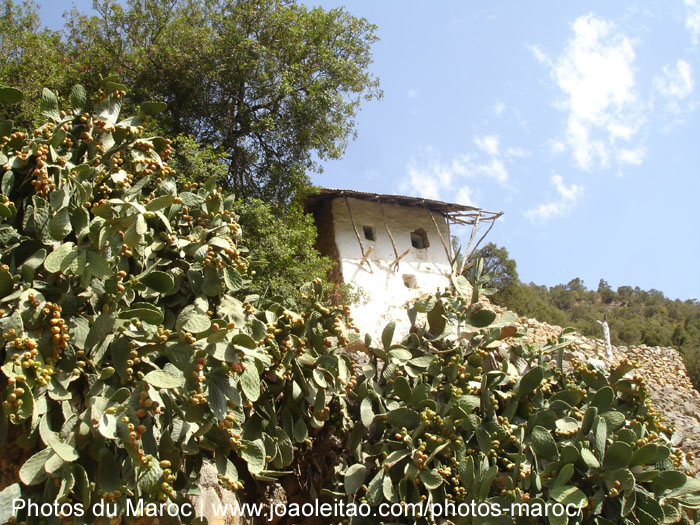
(455, 212)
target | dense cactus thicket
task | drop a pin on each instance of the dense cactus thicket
(130, 347)
(132, 351)
(451, 414)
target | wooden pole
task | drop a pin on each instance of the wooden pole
(371, 249)
(398, 258)
(466, 251)
(359, 239)
(442, 240)
(391, 237)
(354, 227)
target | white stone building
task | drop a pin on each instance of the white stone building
(395, 248)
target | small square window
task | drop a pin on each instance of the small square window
(419, 239)
(369, 233)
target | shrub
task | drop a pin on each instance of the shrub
(282, 247)
(133, 350)
(131, 346)
(451, 414)
(652, 338)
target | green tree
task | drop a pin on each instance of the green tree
(562, 297)
(273, 84)
(31, 57)
(283, 254)
(576, 285)
(499, 265)
(628, 333)
(625, 293)
(606, 293)
(281, 237)
(652, 338)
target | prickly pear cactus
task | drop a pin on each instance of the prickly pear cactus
(131, 351)
(453, 414)
(130, 348)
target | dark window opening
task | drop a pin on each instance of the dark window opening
(419, 239)
(369, 233)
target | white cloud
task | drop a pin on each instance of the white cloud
(556, 147)
(412, 93)
(692, 21)
(516, 152)
(510, 113)
(568, 195)
(422, 184)
(632, 157)
(431, 176)
(494, 169)
(540, 55)
(464, 196)
(675, 84)
(596, 74)
(488, 144)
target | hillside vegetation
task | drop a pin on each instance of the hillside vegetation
(257, 91)
(635, 316)
(154, 316)
(133, 352)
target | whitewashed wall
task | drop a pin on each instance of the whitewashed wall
(385, 288)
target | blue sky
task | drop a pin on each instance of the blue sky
(579, 120)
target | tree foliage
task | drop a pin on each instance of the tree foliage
(498, 265)
(280, 238)
(284, 254)
(31, 57)
(273, 84)
(635, 316)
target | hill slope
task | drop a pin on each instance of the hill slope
(636, 317)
